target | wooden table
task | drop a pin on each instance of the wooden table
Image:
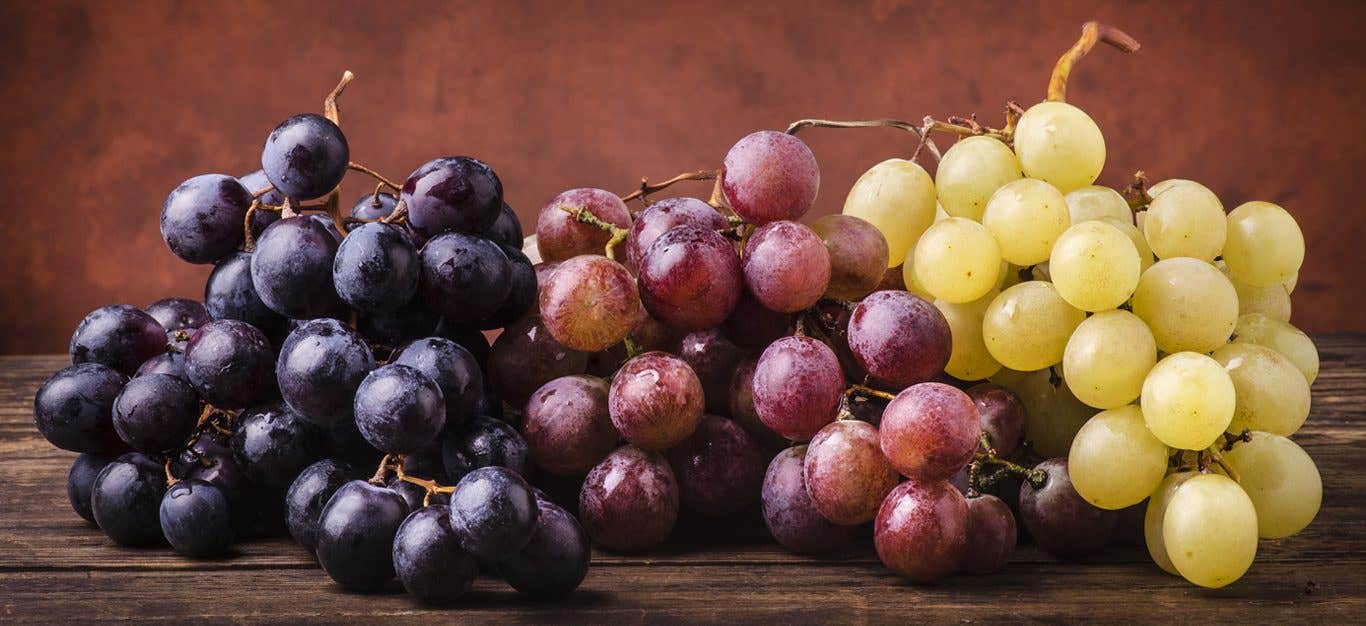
(54, 567)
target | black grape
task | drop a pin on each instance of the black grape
(556, 559)
(119, 336)
(74, 408)
(81, 479)
(356, 535)
(399, 409)
(229, 363)
(484, 442)
(305, 156)
(464, 278)
(178, 313)
(169, 362)
(229, 294)
(460, 193)
(376, 268)
(126, 500)
(273, 444)
(521, 296)
(308, 495)
(493, 512)
(373, 206)
(320, 365)
(505, 229)
(202, 219)
(453, 368)
(428, 558)
(291, 268)
(196, 519)
(156, 412)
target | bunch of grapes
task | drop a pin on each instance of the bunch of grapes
(325, 345)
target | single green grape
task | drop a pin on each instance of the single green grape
(1061, 144)
(957, 260)
(970, 171)
(1210, 530)
(1114, 461)
(1273, 301)
(1097, 202)
(897, 196)
(968, 357)
(1094, 266)
(1026, 216)
(1185, 220)
(1282, 481)
(1187, 400)
(1264, 247)
(1281, 337)
(1189, 305)
(1272, 394)
(1107, 358)
(1026, 327)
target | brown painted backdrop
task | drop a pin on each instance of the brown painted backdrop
(105, 106)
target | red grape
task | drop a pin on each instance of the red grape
(751, 325)
(790, 515)
(567, 426)
(899, 338)
(846, 474)
(921, 530)
(929, 431)
(655, 401)
(590, 303)
(720, 468)
(629, 502)
(1062, 522)
(559, 235)
(770, 176)
(797, 387)
(690, 278)
(664, 215)
(1003, 416)
(991, 535)
(858, 255)
(525, 357)
(713, 357)
(786, 266)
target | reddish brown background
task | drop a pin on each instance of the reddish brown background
(105, 106)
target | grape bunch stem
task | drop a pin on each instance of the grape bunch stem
(1091, 33)
(646, 188)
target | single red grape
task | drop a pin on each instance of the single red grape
(560, 235)
(921, 530)
(629, 502)
(1003, 416)
(590, 303)
(858, 255)
(720, 468)
(690, 278)
(1062, 522)
(846, 474)
(991, 535)
(790, 515)
(751, 325)
(930, 431)
(664, 215)
(787, 267)
(713, 357)
(797, 387)
(655, 400)
(567, 426)
(899, 338)
(769, 176)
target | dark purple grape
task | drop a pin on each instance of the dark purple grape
(929, 431)
(429, 560)
(846, 475)
(505, 229)
(790, 514)
(395, 328)
(713, 356)
(291, 268)
(261, 218)
(661, 216)
(787, 267)
(196, 519)
(229, 363)
(719, 468)
(305, 156)
(126, 499)
(769, 176)
(742, 405)
(309, 493)
(117, 335)
(1062, 522)
(209, 460)
(356, 535)
(629, 501)
(590, 303)
(1003, 416)
(320, 366)
(656, 401)
(81, 479)
(900, 339)
(921, 530)
(522, 294)
(229, 294)
(559, 234)
(797, 387)
(483, 442)
(690, 278)
(273, 444)
(74, 409)
(493, 512)
(453, 368)
(178, 313)
(373, 206)
(525, 357)
(399, 409)
(376, 269)
(464, 278)
(567, 426)
(202, 220)
(459, 194)
(156, 412)
(752, 326)
(556, 559)
(991, 535)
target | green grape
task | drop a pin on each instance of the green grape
(1210, 530)
(957, 260)
(970, 171)
(968, 358)
(1061, 144)
(1282, 481)
(1187, 219)
(1273, 301)
(1026, 216)
(896, 196)
(1153, 517)
(1188, 304)
(1187, 400)
(1265, 246)
(1272, 394)
(1145, 254)
(1052, 414)
(1094, 266)
(1026, 326)
(1281, 337)
(1107, 358)
(1114, 461)
(1096, 202)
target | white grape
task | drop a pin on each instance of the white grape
(1281, 337)
(1061, 144)
(970, 171)
(1026, 327)
(1114, 461)
(1188, 304)
(1107, 358)
(1273, 395)
(897, 196)
(1282, 481)
(968, 357)
(1094, 266)
(1026, 216)
(1188, 400)
(1264, 247)
(1210, 530)
(1187, 220)
(1096, 202)
(957, 260)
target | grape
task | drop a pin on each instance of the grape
(846, 475)
(972, 170)
(201, 221)
(399, 409)
(207, 459)
(1188, 400)
(522, 293)
(525, 357)
(273, 444)
(1210, 555)
(751, 325)
(376, 268)
(1273, 301)
(661, 216)
(155, 413)
(1115, 462)
(786, 266)
(1002, 414)
(1107, 358)
(1095, 202)
(1061, 144)
(1264, 247)
(655, 400)
(1281, 337)
(195, 519)
(1281, 480)
(484, 442)
(568, 428)
(399, 326)
(791, 516)
(74, 408)
(260, 219)
(1186, 220)
(956, 260)
(126, 497)
(464, 278)
(991, 535)
(590, 303)
(1053, 415)
(460, 194)
(559, 235)
(169, 362)
(493, 512)
(320, 365)
(119, 336)
(769, 176)
(1026, 217)
(1188, 304)
(899, 338)
(897, 197)
(713, 357)
(719, 468)
(291, 268)
(741, 404)
(1154, 515)
(454, 369)
(305, 156)
(968, 357)
(921, 530)
(1145, 254)
(178, 313)
(1026, 327)
(229, 364)
(81, 479)
(356, 534)
(929, 431)
(1094, 266)
(309, 493)
(629, 501)
(556, 559)
(858, 255)
(797, 387)
(231, 294)
(1271, 393)
(373, 206)
(690, 278)
(1062, 522)
(428, 559)
(505, 229)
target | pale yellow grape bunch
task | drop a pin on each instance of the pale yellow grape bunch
(1272, 395)
(1273, 301)
(897, 196)
(1281, 337)
(1210, 530)
(1264, 247)
(1282, 481)
(1094, 266)
(956, 260)
(968, 357)
(1114, 461)
(1096, 202)
(971, 171)
(1026, 216)
(1052, 414)
(1108, 357)
(1145, 255)
(1189, 305)
(1155, 513)
(1061, 144)
(1187, 400)
(1027, 326)
(1186, 219)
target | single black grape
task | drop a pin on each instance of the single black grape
(399, 409)
(373, 206)
(556, 559)
(202, 219)
(196, 519)
(460, 193)
(356, 535)
(399, 326)
(505, 229)
(81, 479)
(493, 512)
(229, 363)
(261, 218)
(170, 362)
(308, 495)
(74, 409)
(230, 295)
(272, 444)
(118, 335)
(320, 365)
(305, 156)
(522, 295)
(464, 278)
(291, 268)
(211, 460)
(376, 269)
(484, 442)
(428, 558)
(156, 412)
(178, 313)
(126, 499)
(453, 368)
